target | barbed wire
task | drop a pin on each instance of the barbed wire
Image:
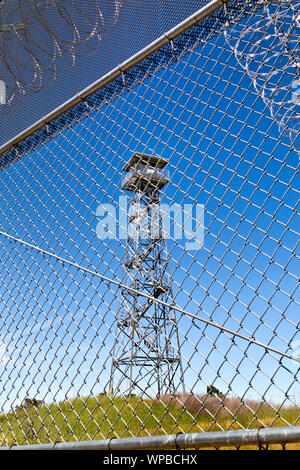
(267, 47)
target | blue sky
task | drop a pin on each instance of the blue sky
(233, 159)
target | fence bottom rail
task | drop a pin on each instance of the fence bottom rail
(260, 437)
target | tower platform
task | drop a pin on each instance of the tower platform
(144, 171)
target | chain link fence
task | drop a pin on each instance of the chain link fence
(148, 241)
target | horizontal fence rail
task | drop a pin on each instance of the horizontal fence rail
(257, 437)
(205, 11)
(149, 247)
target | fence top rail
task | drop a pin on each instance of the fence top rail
(260, 436)
(167, 37)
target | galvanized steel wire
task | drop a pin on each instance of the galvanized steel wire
(235, 292)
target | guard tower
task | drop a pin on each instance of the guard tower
(146, 355)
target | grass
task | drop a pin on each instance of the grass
(102, 417)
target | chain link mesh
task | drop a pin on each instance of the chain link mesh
(80, 288)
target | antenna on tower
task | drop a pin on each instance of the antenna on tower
(146, 352)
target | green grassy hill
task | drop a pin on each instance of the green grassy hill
(103, 417)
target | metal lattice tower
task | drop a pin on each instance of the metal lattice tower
(146, 350)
